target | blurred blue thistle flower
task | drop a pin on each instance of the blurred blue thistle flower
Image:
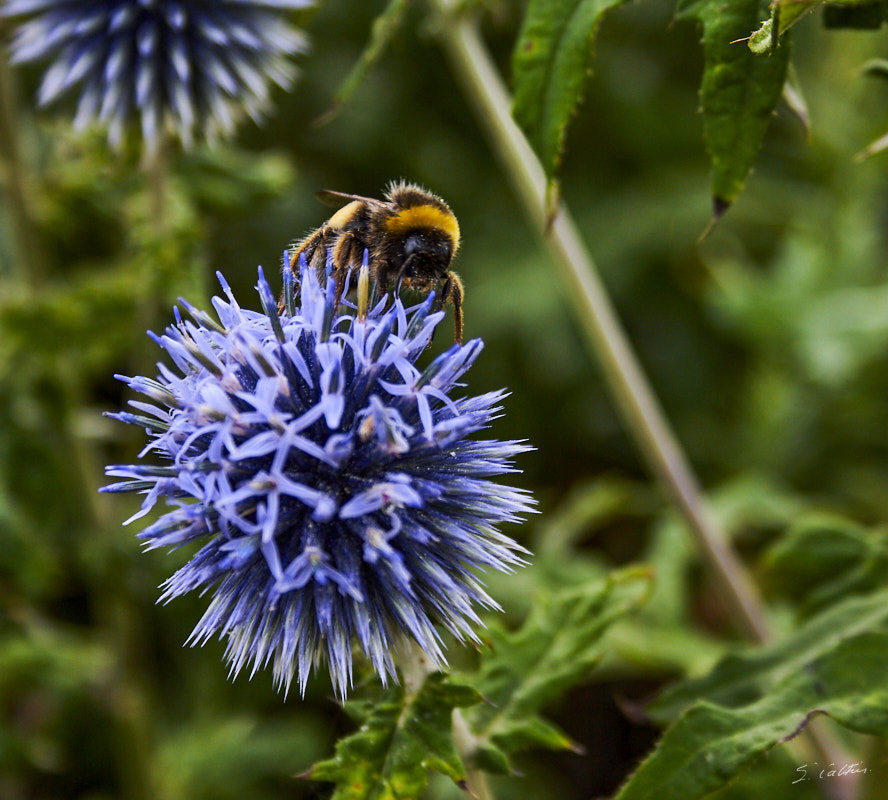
(330, 480)
(197, 63)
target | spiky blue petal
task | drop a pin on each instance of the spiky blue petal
(194, 64)
(328, 480)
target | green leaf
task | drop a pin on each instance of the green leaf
(825, 558)
(746, 678)
(52, 658)
(557, 647)
(560, 560)
(384, 28)
(401, 737)
(550, 66)
(873, 148)
(772, 779)
(764, 40)
(876, 67)
(228, 180)
(664, 636)
(227, 757)
(739, 91)
(661, 637)
(837, 14)
(710, 744)
(784, 14)
(795, 100)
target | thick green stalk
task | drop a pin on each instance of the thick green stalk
(458, 32)
(28, 253)
(607, 340)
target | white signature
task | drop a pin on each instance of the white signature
(830, 771)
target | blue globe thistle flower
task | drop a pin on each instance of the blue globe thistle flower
(196, 63)
(329, 479)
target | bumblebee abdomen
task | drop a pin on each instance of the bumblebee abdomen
(350, 216)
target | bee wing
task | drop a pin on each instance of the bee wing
(339, 199)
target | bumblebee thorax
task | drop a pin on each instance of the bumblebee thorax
(425, 218)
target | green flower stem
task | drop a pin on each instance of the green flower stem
(458, 32)
(155, 168)
(641, 411)
(28, 261)
(415, 668)
(466, 745)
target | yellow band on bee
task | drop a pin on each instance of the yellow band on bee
(426, 216)
(345, 215)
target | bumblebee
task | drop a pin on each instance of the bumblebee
(410, 239)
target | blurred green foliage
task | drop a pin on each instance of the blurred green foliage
(767, 343)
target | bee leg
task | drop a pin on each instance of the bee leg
(294, 254)
(306, 250)
(384, 283)
(312, 250)
(339, 275)
(382, 286)
(282, 301)
(452, 292)
(347, 256)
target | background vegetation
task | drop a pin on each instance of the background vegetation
(767, 343)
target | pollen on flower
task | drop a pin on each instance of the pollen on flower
(331, 483)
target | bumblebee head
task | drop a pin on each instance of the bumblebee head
(427, 252)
